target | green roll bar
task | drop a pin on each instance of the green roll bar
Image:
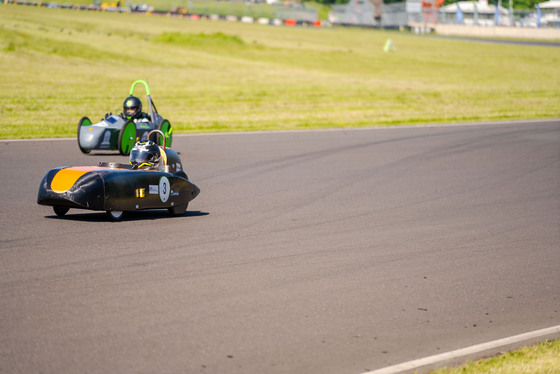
(145, 85)
(152, 106)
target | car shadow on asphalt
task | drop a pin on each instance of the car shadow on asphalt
(128, 216)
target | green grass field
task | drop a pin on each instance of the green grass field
(541, 358)
(59, 65)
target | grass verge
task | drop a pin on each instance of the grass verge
(541, 358)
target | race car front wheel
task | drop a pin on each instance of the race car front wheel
(127, 137)
(83, 123)
(60, 210)
(178, 210)
(115, 215)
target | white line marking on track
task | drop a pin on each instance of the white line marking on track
(414, 365)
(519, 122)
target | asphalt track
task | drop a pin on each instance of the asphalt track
(306, 252)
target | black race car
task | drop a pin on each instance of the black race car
(117, 188)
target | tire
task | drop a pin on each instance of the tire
(115, 215)
(83, 122)
(165, 127)
(127, 137)
(178, 210)
(60, 210)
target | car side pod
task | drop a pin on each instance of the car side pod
(111, 133)
(60, 189)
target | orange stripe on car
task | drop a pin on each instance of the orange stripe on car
(65, 178)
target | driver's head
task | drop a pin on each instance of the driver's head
(132, 107)
(145, 155)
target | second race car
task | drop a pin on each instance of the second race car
(121, 132)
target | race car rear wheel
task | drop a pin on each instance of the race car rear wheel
(115, 215)
(178, 210)
(127, 137)
(60, 210)
(165, 127)
(83, 122)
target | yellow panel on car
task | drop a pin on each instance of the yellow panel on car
(65, 178)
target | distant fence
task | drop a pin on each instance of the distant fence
(409, 15)
(516, 18)
(212, 9)
(398, 15)
(362, 13)
(235, 8)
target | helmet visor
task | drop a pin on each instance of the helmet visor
(141, 156)
(131, 111)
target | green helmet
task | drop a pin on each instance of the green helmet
(132, 107)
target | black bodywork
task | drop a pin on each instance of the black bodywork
(117, 187)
